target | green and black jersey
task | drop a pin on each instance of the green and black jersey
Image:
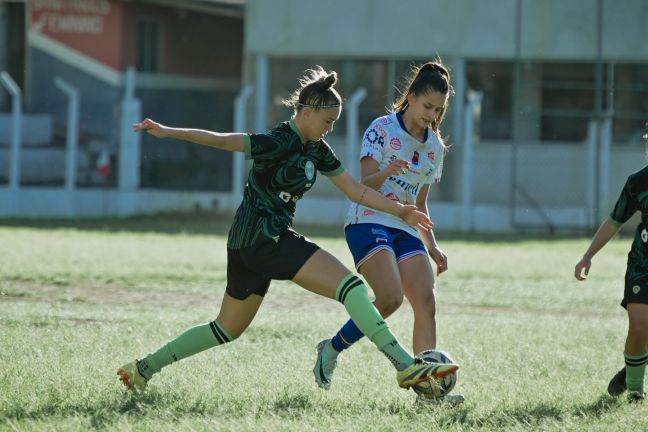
(633, 198)
(284, 168)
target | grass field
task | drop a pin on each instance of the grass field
(77, 300)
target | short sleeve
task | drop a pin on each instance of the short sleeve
(329, 164)
(266, 146)
(625, 206)
(373, 142)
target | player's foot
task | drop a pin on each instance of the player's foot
(132, 379)
(635, 396)
(617, 383)
(451, 400)
(324, 365)
(420, 371)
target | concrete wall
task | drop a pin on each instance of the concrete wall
(551, 29)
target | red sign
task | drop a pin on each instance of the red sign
(91, 27)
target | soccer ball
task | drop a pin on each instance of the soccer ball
(443, 385)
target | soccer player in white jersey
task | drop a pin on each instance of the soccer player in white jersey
(401, 157)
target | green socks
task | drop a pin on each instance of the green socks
(352, 293)
(635, 370)
(192, 341)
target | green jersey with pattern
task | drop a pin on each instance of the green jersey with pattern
(633, 198)
(283, 169)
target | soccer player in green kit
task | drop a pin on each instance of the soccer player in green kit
(262, 246)
(633, 198)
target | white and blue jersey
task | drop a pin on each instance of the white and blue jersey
(386, 140)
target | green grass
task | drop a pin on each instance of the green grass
(78, 299)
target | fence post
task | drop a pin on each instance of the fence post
(72, 140)
(238, 160)
(352, 133)
(470, 118)
(16, 129)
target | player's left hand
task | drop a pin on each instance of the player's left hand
(411, 214)
(440, 259)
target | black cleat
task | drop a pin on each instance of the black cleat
(617, 383)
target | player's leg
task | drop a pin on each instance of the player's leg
(636, 350)
(419, 287)
(381, 272)
(243, 297)
(325, 275)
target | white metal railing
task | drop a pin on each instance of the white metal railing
(352, 133)
(240, 121)
(16, 128)
(72, 140)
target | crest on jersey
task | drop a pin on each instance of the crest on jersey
(431, 156)
(415, 158)
(310, 170)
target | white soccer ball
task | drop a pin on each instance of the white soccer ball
(444, 385)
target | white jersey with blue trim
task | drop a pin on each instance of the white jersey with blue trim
(384, 141)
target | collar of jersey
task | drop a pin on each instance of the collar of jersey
(399, 117)
(294, 127)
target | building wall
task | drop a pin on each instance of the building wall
(551, 29)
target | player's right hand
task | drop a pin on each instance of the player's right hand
(397, 167)
(158, 130)
(582, 268)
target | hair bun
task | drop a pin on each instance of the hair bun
(328, 81)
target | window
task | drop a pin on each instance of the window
(630, 102)
(148, 45)
(495, 81)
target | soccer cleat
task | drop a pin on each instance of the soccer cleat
(132, 379)
(617, 383)
(420, 371)
(451, 400)
(324, 366)
(635, 396)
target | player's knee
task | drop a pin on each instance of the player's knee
(388, 303)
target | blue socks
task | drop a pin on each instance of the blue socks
(347, 336)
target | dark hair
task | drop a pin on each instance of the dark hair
(429, 77)
(315, 91)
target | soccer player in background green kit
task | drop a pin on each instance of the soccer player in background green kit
(633, 198)
(262, 246)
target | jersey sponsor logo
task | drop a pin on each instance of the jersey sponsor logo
(374, 137)
(385, 120)
(392, 196)
(287, 197)
(310, 170)
(368, 213)
(431, 156)
(415, 158)
(383, 132)
(378, 232)
(395, 143)
(408, 187)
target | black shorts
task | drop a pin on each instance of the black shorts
(250, 270)
(635, 292)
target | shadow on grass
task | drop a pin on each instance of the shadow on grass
(212, 223)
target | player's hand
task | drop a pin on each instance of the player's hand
(582, 268)
(440, 259)
(158, 130)
(397, 167)
(411, 214)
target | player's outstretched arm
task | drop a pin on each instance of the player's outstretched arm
(364, 195)
(606, 231)
(223, 141)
